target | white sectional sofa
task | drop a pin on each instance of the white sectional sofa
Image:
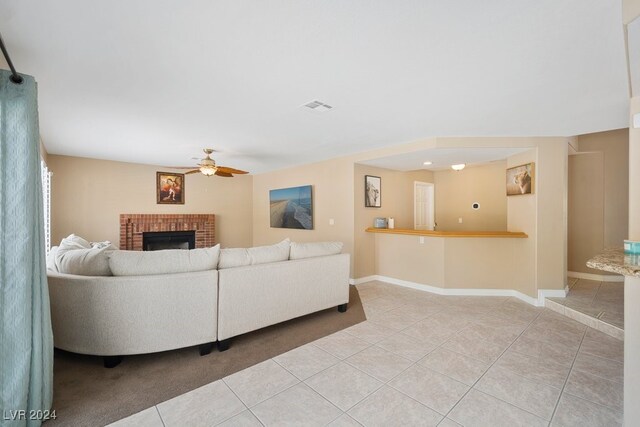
(124, 302)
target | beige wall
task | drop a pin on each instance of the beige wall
(614, 145)
(586, 210)
(89, 195)
(630, 10)
(396, 202)
(332, 182)
(634, 174)
(522, 215)
(456, 191)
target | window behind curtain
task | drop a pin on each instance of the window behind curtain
(46, 198)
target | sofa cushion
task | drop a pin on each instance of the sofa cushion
(84, 262)
(74, 242)
(309, 250)
(168, 261)
(238, 257)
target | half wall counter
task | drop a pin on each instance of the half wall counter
(458, 262)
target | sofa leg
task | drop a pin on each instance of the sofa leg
(224, 344)
(342, 308)
(205, 348)
(111, 361)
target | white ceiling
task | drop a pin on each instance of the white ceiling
(443, 158)
(156, 81)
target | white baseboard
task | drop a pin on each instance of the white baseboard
(538, 302)
(363, 280)
(597, 277)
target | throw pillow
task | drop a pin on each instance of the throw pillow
(309, 250)
(51, 259)
(84, 262)
(168, 261)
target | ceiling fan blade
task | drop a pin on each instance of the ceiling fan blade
(193, 171)
(231, 170)
(225, 174)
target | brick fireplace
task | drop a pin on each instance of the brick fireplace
(132, 227)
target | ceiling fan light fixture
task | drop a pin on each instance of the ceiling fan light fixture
(458, 167)
(208, 170)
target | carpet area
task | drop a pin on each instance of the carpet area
(87, 394)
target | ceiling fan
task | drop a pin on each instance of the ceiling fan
(208, 167)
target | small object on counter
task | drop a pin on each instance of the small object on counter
(631, 247)
(391, 222)
(380, 223)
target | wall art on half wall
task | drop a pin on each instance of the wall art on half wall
(372, 191)
(170, 188)
(292, 207)
(521, 179)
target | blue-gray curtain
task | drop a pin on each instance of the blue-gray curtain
(26, 340)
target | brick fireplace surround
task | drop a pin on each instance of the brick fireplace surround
(133, 225)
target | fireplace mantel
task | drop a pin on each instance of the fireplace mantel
(133, 225)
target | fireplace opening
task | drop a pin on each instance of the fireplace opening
(158, 240)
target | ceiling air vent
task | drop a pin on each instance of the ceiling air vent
(318, 106)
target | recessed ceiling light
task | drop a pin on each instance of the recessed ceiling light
(458, 167)
(427, 163)
(318, 106)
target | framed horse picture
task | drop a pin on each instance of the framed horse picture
(372, 191)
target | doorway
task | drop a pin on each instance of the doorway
(423, 206)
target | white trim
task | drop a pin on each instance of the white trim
(362, 280)
(598, 277)
(462, 292)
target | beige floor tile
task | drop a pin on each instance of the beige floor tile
(457, 366)
(204, 406)
(306, 361)
(343, 385)
(599, 344)
(598, 366)
(448, 423)
(537, 369)
(379, 363)
(406, 346)
(485, 351)
(532, 396)
(548, 334)
(382, 303)
(595, 389)
(345, 421)
(429, 332)
(553, 351)
(394, 319)
(296, 406)
(260, 382)
(480, 409)
(147, 418)
(243, 419)
(497, 336)
(341, 344)
(575, 412)
(430, 388)
(369, 331)
(388, 407)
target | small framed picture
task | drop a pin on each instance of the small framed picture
(521, 180)
(170, 188)
(372, 191)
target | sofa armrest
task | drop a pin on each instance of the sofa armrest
(256, 296)
(120, 315)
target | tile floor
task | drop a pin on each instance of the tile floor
(600, 300)
(422, 359)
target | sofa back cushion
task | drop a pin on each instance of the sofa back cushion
(168, 261)
(310, 250)
(84, 262)
(238, 257)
